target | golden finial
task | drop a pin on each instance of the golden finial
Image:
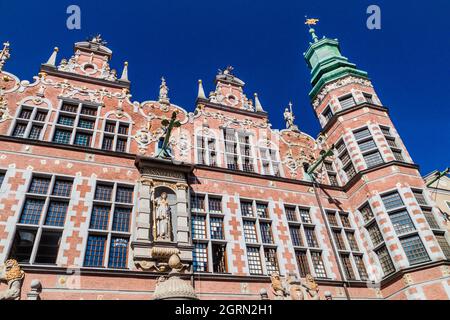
(311, 22)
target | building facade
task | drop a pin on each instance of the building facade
(440, 193)
(91, 209)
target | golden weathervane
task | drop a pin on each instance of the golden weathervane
(311, 22)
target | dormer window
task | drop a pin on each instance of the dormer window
(238, 151)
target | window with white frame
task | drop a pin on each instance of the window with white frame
(369, 97)
(327, 114)
(75, 124)
(116, 136)
(2, 177)
(270, 162)
(348, 248)
(238, 150)
(368, 147)
(303, 236)
(206, 150)
(30, 122)
(427, 210)
(332, 174)
(258, 236)
(41, 224)
(378, 243)
(110, 226)
(208, 234)
(393, 144)
(405, 228)
(347, 101)
(346, 161)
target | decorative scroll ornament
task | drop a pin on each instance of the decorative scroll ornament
(4, 111)
(13, 275)
(4, 55)
(338, 84)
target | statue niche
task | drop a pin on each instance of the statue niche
(164, 208)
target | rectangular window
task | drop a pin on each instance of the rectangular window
(402, 222)
(337, 235)
(328, 114)
(271, 260)
(217, 231)
(415, 250)
(250, 232)
(86, 124)
(2, 178)
(367, 213)
(32, 210)
(347, 102)
(66, 121)
(443, 243)
(319, 267)
(95, 251)
(121, 145)
(35, 133)
(122, 219)
(62, 136)
(373, 159)
(333, 179)
(311, 238)
(398, 155)
(263, 210)
(392, 201)
(362, 134)
(48, 248)
(100, 218)
(108, 143)
(56, 214)
(19, 130)
(385, 261)
(345, 220)
(290, 214)
(296, 236)
(39, 185)
(352, 241)
(348, 269)
(92, 112)
(367, 145)
(361, 268)
(219, 258)
(375, 234)
(215, 205)
(198, 227)
(124, 195)
(302, 261)
(118, 253)
(420, 198)
(332, 219)
(103, 192)
(429, 216)
(369, 98)
(62, 188)
(305, 216)
(83, 139)
(198, 203)
(22, 246)
(200, 256)
(247, 209)
(67, 107)
(266, 233)
(350, 171)
(254, 261)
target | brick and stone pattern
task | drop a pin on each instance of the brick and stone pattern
(228, 107)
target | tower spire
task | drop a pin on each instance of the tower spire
(125, 72)
(312, 22)
(52, 60)
(201, 91)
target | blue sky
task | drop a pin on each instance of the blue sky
(185, 40)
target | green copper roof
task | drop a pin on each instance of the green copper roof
(327, 64)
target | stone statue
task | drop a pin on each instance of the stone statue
(163, 217)
(290, 118)
(13, 275)
(293, 289)
(164, 92)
